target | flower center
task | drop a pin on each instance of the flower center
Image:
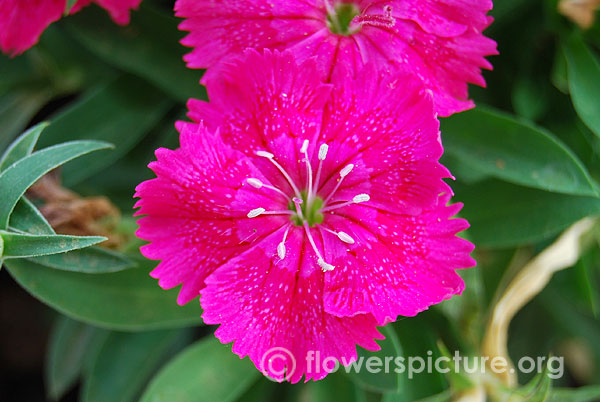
(310, 209)
(306, 208)
(340, 16)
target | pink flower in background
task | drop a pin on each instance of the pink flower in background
(441, 41)
(22, 22)
(304, 214)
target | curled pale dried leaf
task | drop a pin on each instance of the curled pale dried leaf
(582, 12)
(534, 276)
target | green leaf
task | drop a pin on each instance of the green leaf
(380, 378)
(90, 260)
(17, 178)
(125, 363)
(584, 81)
(23, 245)
(27, 218)
(128, 300)
(148, 48)
(120, 112)
(499, 145)
(22, 146)
(418, 339)
(207, 371)
(334, 387)
(504, 215)
(583, 394)
(70, 343)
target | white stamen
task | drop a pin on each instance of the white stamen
(361, 198)
(255, 183)
(325, 266)
(345, 237)
(309, 172)
(346, 171)
(323, 152)
(265, 154)
(256, 212)
(259, 184)
(285, 174)
(356, 200)
(304, 147)
(281, 250)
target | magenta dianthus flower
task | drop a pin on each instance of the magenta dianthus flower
(441, 41)
(24, 21)
(304, 214)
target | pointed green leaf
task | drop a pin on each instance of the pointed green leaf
(90, 260)
(128, 300)
(207, 371)
(27, 218)
(499, 145)
(23, 245)
(584, 81)
(22, 146)
(70, 343)
(125, 363)
(17, 178)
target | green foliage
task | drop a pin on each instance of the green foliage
(23, 245)
(204, 372)
(499, 145)
(126, 300)
(584, 81)
(71, 344)
(122, 366)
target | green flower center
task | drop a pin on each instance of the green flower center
(311, 211)
(340, 17)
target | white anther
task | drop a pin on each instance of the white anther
(323, 152)
(281, 250)
(361, 198)
(304, 147)
(346, 171)
(265, 154)
(256, 212)
(255, 183)
(325, 266)
(345, 237)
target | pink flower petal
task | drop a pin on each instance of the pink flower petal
(440, 41)
(24, 21)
